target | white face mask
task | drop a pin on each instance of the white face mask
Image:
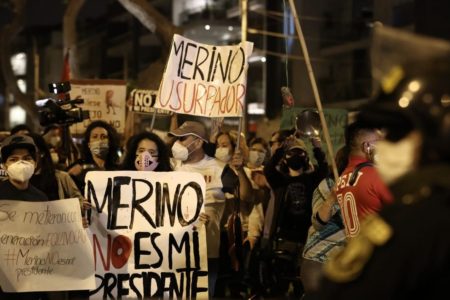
(99, 148)
(55, 157)
(256, 158)
(21, 170)
(396, 159)
(223, 154)
(180, 151)
(145, 162)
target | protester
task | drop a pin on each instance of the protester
(100, 150)
(326, 236)
(234, 176)
(46, 177)
(189, 156)
(146, 151)
(293, 179)
(55, 138)
(234, 227)
(404, 251)
(258, 154)
(288, 216)
(360, 190)
(19, 155)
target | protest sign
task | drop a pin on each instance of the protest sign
(104, 99)
(143, 101)
(205, 80)
(145, 234)
(44, 247)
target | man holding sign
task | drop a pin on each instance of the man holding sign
(190, 156)
(41, 242)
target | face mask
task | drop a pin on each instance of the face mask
(296, 162)
(21, 170)
(145, 162)
(99, 148)
(256, 158)
(54, 141)
(181, 152)
(396, 159)
(223, 154)
(55, 157)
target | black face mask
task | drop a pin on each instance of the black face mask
(297, 162)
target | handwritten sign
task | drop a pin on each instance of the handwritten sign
(146, 238)
(104, 99)
(205, 80)
(44, 247)
(143, 101)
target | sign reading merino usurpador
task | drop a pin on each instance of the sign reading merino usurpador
(205, 80)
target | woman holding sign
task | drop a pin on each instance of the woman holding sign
(146, 151)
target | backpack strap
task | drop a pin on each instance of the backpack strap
(356, 171)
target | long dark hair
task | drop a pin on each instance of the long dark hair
(132, 145)
(113, 142)
(47, 179)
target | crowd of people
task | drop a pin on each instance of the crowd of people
(264, 200)
(278, 223)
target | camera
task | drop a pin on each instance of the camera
(60, 111)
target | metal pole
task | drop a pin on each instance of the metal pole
(315, 89)
(244, 26)
(153, 121)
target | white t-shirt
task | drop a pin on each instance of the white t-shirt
(211, 169)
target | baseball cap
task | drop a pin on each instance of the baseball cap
(17, 142)
(297, 144)
(190, 128)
